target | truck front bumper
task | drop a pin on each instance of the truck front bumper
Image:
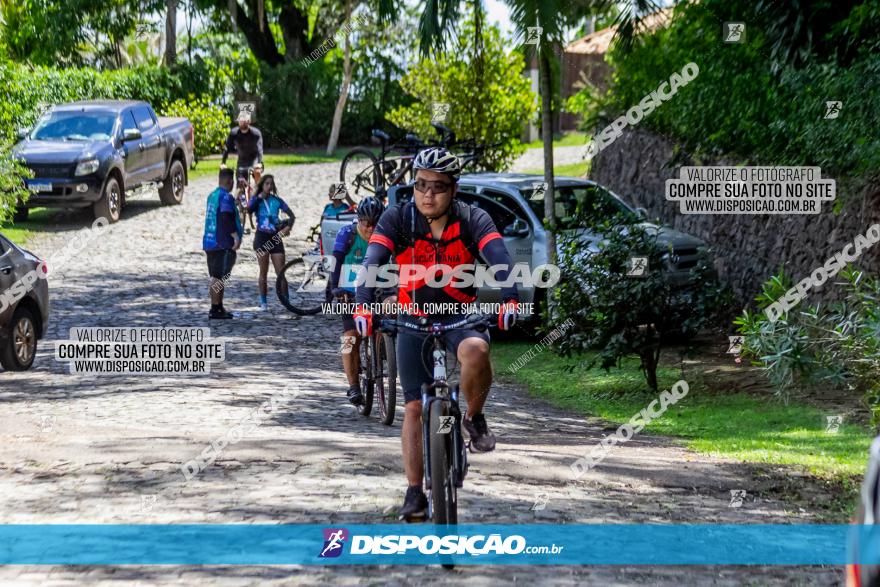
(64, 192)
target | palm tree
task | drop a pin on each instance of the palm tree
(552, 17)
(170, 31)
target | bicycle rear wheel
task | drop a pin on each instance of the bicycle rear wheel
(444, 498)
(386, 377)
(360, 171)
(366, 375)
(307, 282)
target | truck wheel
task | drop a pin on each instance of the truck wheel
(20, 348)
(21, 214)
(171, 192)
(110, 204)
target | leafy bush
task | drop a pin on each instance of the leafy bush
(12, 188)
(492, 107)
(620, 315)
(30, 89)
(836, 345)
(744, 103)
(210, 122)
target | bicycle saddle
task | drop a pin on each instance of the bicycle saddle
(381, 134)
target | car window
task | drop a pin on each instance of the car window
(501, 215)
(74, 125)
(576, 203)
(143, 117)
(128, 122)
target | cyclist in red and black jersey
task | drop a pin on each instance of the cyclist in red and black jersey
(439, 233)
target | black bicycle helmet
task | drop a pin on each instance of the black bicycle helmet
(370, 209)
(440, 160)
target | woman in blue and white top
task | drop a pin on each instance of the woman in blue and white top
(266, 205)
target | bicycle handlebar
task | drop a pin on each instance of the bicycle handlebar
(479, 321)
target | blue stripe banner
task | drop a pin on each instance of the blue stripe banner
(312, 544)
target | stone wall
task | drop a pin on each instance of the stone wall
(748, 248)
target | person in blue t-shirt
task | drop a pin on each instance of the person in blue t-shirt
(222, 237)
(266, 206)
(340, 201)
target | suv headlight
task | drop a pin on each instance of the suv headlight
(86, 167)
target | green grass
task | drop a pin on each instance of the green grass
(211, 166)
(569, 139)
(572, 169)
(20, 232)
(744, 427)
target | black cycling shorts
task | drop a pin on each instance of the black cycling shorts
(268, 243)
(414, 361)
(220, 263)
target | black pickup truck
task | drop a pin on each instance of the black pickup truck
(92, 153)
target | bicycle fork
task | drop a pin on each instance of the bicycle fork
(429, 396)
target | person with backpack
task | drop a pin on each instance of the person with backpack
(437, 232)
(348, 252)
(267, 205)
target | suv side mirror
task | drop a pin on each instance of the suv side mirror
(130, 134)
(22, 133)
(518, 228)
(642, 213)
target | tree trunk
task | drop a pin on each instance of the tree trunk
(170, 31)
(261, 42)
(547, 134)
(347, 70)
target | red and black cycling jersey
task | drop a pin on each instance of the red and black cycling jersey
(405, 232)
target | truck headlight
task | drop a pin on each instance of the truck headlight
(86, 167)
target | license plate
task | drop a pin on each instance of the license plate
(40, 186)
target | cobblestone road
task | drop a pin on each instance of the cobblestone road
(107, 449)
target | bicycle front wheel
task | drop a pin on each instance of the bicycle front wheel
(360, 171)
(386, 377)
(444, 498)
(306, 286)
(367, 375)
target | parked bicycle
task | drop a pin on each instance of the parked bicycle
(444, 449)
(374, 174)
(307, 277)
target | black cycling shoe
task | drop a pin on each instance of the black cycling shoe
(355, 396)
(220, 315)
(415, 505)
(482, 439)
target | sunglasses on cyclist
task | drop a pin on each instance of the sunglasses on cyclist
(437, 187)
(366, 223)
